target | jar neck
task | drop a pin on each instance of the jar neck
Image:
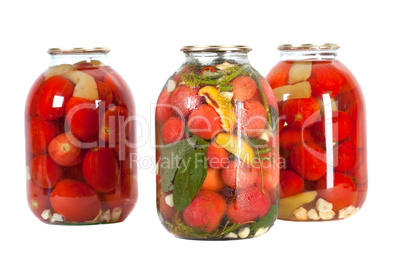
(210, 58)
(57, 59)
(308, 55)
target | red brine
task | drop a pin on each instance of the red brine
(322, 134)
(79, 123)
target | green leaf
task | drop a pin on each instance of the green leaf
(189, 178)
(267, 220)
(171, 156)
(201, 142)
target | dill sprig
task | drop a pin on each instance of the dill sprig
(219, 78)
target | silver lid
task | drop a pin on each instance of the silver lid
(216, 48)
(324, 46)
(54, 51)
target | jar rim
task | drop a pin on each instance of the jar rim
(323, 46)
(215, 48)
(82, 50)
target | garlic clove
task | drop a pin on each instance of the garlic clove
(46, 214)
(323, 205)
(261, 231)
(171, 85)
(327, 215)
(299, 71)
(169, 200)
(230, 235)
(244, 232)
(116, 212)
(300, 213)
(346, 212)
(313, 214)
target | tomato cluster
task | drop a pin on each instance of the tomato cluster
(78, 145)
(232, 120)
(322, 138)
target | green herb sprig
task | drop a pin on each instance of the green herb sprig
(219, 78)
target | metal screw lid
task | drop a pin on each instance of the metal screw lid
(216, 48)
(324, 46)
(54, 51)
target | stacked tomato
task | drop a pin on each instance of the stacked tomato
(322, 140)
(217, 152)
(79, 150)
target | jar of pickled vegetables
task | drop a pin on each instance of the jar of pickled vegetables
(217, 147)
(80, 141)
(322, 131)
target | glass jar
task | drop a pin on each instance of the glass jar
(322, 134)
(80, 134)
(217, 147)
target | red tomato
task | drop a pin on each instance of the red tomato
(342, 194)
(203, 121)
(75, 200)
(278, 76)
(341, 126)
(184, 100)
(291, 184)
(217, 157)
(270, 176)
(117, 84)
(249, 205)
(173, 130)
(76, 161)
(113, 124)
(105, 93)
(97, 72)
(38, 198)
(309, 160)
(239, 175)
(39, 134)
(348, 81)
(269, 93)
(126, 156)
(205, 211)
(44, 172)
(101, 169)
(63, 150)
(163, 109)
(324, 79)
(32, 98)
(289, 137)
(83, 117)
(251, 118)
(301, 113)
(53, 97)
(244, 88)
(345, 155)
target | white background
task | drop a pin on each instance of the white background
(145, 38)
